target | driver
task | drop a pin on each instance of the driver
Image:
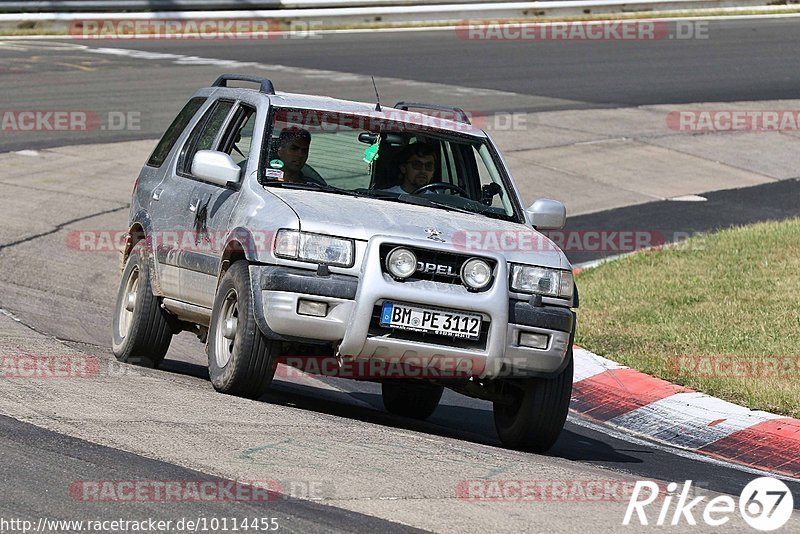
(417, 167)
(292, 153)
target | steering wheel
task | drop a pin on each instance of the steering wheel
(442, 185)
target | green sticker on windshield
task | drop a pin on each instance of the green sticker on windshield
(276, 164)
(371, 153)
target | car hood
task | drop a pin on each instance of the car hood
(361, 218)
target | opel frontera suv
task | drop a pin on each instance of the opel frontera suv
(279, 227)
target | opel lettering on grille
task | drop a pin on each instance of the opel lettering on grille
(434, 268)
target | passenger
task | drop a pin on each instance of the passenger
(417, 167)
(293, 145)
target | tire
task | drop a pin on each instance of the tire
(141, 330)
(241, 361)
(537, 416)
(415, 400)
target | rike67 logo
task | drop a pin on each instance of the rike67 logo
(765, 504)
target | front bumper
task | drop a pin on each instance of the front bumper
(350, 319)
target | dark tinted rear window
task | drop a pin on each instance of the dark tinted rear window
(174, 131)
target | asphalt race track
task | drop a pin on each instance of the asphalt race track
(383, 473)
(740, 61)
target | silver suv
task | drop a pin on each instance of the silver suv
(280, 228)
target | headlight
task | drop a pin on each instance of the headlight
(476, 273)
(401, 262)
(317, 248)
(549, 282)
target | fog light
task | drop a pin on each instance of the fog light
(401, 262)
(476, 273)
(312, 307)
(533, 340)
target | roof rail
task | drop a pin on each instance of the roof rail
(266, 84)
(458, 114)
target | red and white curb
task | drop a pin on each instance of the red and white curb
(615, 395)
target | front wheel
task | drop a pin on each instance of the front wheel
(241, 360)
(141, 328)
(408, 399)
(537, 413)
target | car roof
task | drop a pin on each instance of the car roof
(296, 100)
(327, 103)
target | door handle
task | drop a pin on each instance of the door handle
(157, 192)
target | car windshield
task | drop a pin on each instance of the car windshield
(373, 155)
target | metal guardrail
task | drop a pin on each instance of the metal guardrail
(120, 6)
(338, 12)
(67, 6)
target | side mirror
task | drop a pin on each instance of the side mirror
(546, 214)
(215, 167)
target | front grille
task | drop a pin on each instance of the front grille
(450, 261)
(375, 329)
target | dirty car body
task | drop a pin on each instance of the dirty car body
(453, 282)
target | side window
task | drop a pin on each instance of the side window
(466, 173)
(238, 141)
(174, 131)
(448, 164)
(204, 134)
(487, 174)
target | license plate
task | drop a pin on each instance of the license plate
(441, 322)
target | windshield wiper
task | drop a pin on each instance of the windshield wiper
(293, 185)
(422, 201)
(308, 186)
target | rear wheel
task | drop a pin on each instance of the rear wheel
(240, 359)
(141, 329)
(534, 419)
(408, 399)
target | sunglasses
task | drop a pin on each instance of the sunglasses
(418, 165)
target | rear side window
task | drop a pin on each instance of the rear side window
(174, 131)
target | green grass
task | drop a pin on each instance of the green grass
(729, 301)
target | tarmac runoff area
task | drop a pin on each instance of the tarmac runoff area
(594, 161)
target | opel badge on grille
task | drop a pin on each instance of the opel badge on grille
(434, 234)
